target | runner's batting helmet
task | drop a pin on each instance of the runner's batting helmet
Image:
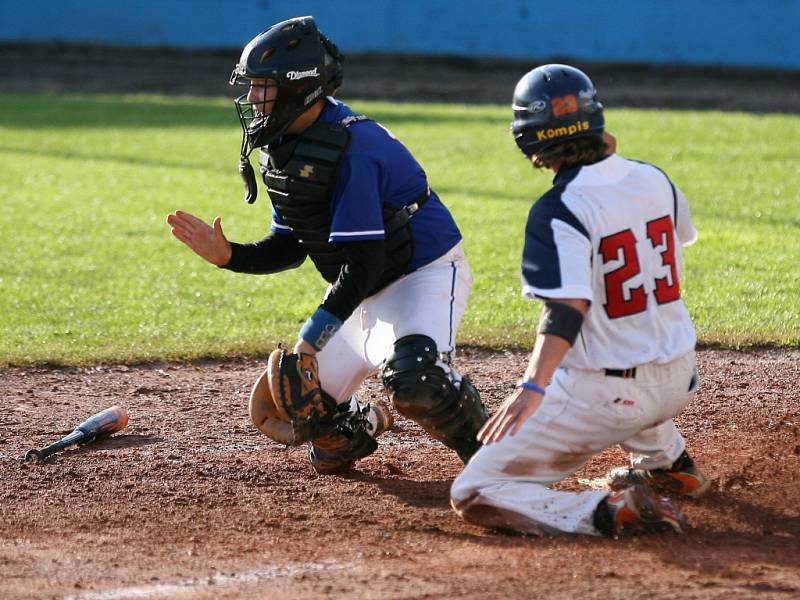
(300, 62)
(552, 104)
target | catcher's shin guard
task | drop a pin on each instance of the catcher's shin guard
(421, 390)
(351, 436)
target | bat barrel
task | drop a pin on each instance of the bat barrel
(99, 425)
(104, 423)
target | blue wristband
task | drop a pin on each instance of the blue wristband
(320, 328)
(530, 386)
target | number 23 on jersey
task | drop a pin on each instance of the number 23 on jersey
(622, 246)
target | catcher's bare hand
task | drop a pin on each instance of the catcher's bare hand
(512, 414)
(206, 240)
(303, 347)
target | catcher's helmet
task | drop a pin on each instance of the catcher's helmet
(552, 104)
(300, 62)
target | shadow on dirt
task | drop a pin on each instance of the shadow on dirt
(115, 443)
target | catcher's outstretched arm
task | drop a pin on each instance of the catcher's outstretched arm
(273, 254)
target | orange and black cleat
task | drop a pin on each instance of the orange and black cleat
(636, 510)
(681, 479)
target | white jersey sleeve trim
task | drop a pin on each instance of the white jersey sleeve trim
(570, 292)
(339, 234)
(282, 228)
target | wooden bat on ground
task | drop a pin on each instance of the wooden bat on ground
(97, 426)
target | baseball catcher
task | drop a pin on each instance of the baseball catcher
(347, 195)
(614, 356)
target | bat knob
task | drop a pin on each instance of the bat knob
(33, 456)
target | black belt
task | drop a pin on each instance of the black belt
(624, 373)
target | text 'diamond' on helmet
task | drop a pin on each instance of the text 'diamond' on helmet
(302, 66)
(552, 104)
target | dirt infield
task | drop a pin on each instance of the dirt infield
(191, 501)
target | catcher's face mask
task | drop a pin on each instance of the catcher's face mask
(255, 107)
(286, 68)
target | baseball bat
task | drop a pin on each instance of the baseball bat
(97, 426)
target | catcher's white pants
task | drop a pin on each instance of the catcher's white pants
(429, 301)
(582, 413)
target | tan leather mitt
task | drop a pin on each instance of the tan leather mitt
(294, 384)
(287, 403)
(267, 417)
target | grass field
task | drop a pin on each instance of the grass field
(90, 272)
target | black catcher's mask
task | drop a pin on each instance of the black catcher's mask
(297, 65)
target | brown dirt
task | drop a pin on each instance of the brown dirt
(191, 501)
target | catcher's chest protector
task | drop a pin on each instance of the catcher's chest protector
(300, 176)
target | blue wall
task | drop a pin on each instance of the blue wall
(759, 33)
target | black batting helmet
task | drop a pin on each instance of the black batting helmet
(304, 66)
(552, 104)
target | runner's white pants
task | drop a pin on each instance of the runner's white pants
(582, 413)
(429, 301)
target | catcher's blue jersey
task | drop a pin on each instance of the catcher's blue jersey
(378, 170)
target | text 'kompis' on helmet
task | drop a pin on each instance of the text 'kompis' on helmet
(552, 104)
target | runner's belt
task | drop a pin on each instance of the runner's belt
(624, 373)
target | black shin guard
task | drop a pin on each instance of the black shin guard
(422, 391)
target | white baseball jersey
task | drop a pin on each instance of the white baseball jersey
(611, 233)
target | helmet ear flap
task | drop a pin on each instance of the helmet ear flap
(333, 65)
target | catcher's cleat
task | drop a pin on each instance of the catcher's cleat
(681, 479)
(379, 418)
(351, 440)
(638, 509)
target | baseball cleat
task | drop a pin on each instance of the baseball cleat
(337, 451)
(681, 479)
(379, 419)
(638, 509)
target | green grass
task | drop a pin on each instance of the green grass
(90, 273)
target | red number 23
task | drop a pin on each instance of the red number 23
(659, 231)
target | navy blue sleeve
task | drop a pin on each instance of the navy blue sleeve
(541, 264)
(272, 254)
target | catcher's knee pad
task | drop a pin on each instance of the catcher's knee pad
(421, 390)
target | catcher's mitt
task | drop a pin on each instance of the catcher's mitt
(294, 384)
(266, 416)
(287, 402)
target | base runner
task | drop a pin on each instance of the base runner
(613, 360)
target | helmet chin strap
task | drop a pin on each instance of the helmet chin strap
(248, 175)
(246, 171)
